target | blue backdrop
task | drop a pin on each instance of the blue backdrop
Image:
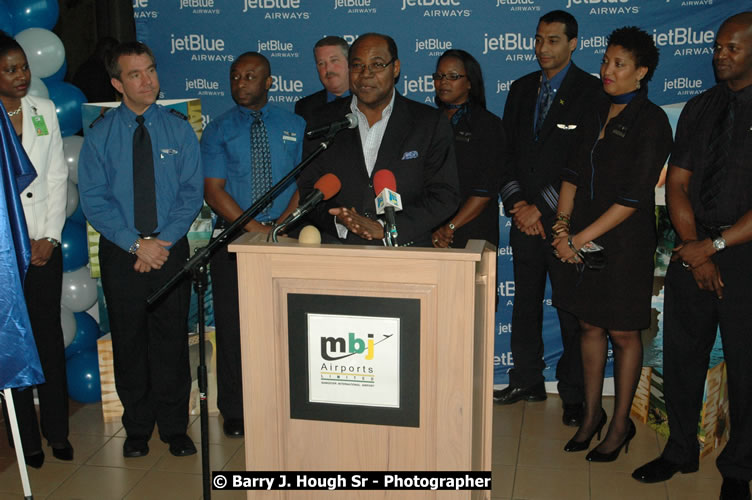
(195, 41)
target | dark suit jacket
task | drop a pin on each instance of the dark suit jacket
(307, 106)
(417, 147)
(532, 169)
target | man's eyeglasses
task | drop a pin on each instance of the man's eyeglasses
(450, 76)
(376, 67)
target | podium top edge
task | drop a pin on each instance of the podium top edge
(256, 243)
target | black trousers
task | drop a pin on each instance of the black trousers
(691, 320)
(42, 290)
(224, 275)
(149, 344)
(533, 260)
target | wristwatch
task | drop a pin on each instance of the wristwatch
(54, 242)
(134, 248)
(719, 243)
(452, 227)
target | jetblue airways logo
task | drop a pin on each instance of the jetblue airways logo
(510, 42)
(683, 85)
(605, 7)
(519, 5)
(441, 8)
(277, 48)
(687, 40)
(434, 46)
(140, 10)
(277, 9)
(355, 6)
(202, 47)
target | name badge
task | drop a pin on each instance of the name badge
(39, 125)
(289, 136)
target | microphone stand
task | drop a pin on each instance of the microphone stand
(196, 266)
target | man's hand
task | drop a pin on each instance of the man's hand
(141, 266)
(364, 227)
(694, 253)
(153, 252)
(526, 218)
(708, 277)
(41, 251)
(443, 237)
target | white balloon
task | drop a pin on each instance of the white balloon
(71, 151)
(44, 51)
(37, 88)
(68, 322)
(72, 203)
(79, 290)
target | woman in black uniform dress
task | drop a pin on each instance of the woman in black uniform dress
(478, 143)
(609, 194)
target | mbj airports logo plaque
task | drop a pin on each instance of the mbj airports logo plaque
(354, 360)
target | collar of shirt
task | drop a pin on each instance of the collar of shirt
(247, 112)
(555, 82)
(371, 136)
(744, 95)
(333, 97)
(129, 117)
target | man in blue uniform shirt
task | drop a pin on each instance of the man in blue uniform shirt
(245, 151)
(140, 184)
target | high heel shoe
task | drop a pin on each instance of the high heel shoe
(573, 445)
(597, 456)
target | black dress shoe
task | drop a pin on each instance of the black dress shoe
(573, 414)
(597, 456)
(734, 489)
(181, 445)
(35, 460)
(661, 469)
(62, 451)
(135, 447)
(233, 427)
(511, 394)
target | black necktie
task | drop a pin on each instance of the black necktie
(547, 97)
(718, 157)
(144, 197)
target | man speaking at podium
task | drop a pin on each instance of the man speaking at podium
(245, 151)
(412, 140)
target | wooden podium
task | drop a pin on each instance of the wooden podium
(454, 294)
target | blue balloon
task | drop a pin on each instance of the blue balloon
(87, 333)
(68, 100)
(33, 14)
(75, 246)
(83, 377)
(78, 216)
(58, 76)
(6, 21)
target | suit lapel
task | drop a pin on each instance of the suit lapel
(28, 132)
(560, 105)
(399, 127)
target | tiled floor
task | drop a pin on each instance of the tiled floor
(528, 463)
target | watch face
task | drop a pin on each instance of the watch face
(719, 244)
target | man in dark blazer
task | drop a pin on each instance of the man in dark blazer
(330, 54)
(541, 116)
(412, 140)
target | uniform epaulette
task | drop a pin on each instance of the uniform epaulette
(177, 113)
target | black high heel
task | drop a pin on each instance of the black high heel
(573, 445)
(597, 456)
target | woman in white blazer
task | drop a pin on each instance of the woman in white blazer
(35, 121)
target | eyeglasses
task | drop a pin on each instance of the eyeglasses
(376, 67)
(450, 76)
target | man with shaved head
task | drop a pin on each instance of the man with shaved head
(709, 281)
(245, 151)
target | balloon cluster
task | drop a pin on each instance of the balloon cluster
(30, 22)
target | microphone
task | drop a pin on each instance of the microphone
(326, 187)
(349, 121)
(387, 202)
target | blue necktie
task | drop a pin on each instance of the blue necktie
(547, 97)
